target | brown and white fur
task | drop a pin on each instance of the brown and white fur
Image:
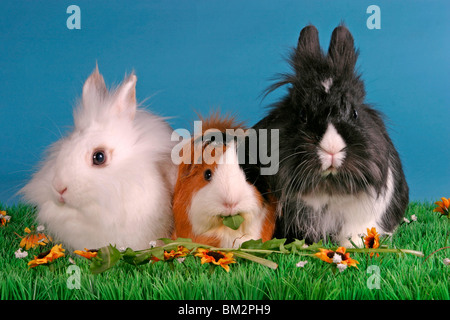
(205, 193)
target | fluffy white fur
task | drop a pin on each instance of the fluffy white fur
(354, 212)
(228, 186)
(127, 201)
(331, 152)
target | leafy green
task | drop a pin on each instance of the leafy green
(106, 258)
(233, 222)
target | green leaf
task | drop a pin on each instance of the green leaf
(129, 255)
(233, 222)
(158, 252)
(106, 258)
(275, 244)
(169, 241)
(270, 246)
(252, 244)
(256, 259)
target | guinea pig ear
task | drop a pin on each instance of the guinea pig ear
(341, 52)
(124, 101)
(94, 88)
(308, 42)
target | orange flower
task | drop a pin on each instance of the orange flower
(325, 255)
(88, 253)
(216, 257)
(47, 257)
(181, 252)
(338, 257)
(4, 219)
(34, 239)
(443, 206)
(372, 240)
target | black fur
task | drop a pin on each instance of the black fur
(302, 118)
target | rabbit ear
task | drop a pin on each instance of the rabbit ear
(308, 42)
(342, 50)
(94, 87)
(125, 97)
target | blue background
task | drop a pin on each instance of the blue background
(197, 55)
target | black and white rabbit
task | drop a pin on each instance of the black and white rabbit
(339, 172)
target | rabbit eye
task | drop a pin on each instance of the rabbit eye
(355, 114)
(207, 175)
(99, 158)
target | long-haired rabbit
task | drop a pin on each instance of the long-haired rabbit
(216, 186)
(110, 181)
(339, 172)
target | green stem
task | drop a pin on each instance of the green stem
(448, 232)
(380, 250)
(253, 258)
(435, 252)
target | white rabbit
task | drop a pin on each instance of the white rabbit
(111, 180)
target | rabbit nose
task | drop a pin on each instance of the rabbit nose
(59, 186)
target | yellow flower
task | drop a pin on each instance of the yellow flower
(4, 219)
(181, 252)
(338, 257)
(88, 253)
(219, 258)
(442, 206)
(48, 256)
(34, 239)
(372, 240)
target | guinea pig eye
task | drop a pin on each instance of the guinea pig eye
(355, 114)
(99, 158)
(207, 175)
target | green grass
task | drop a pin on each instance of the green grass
(401, 276)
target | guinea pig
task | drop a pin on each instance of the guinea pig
(216, 186)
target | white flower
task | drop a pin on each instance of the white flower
(152, 244)
(337, 258)
(301, 264)
(20, 254)
(122, 249)
(181, 260)
(406, 220)
(304, 246)
(341, 267)
(72, 261)
(40, 228)
(414, 217)
(447, 261)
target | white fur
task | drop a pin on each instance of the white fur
(355, 213)
(228, 185)
(327, 83)
(331, 149)
(126, 202)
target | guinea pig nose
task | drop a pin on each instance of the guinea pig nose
(230, 205)
(61, 191)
